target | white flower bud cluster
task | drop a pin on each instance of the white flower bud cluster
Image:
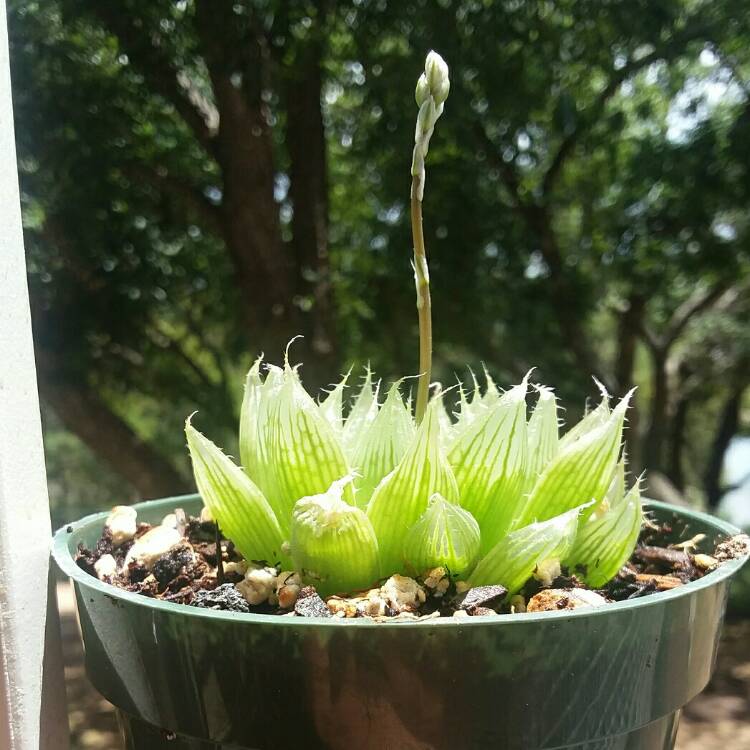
(432, 91)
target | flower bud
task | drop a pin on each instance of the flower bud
(436, 71)
(423, 90)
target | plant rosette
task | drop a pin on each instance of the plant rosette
(379, 577)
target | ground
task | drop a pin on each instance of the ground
(719, 719)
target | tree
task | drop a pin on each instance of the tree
(151, 165)
(204, 179)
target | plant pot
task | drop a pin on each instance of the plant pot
(613, 678)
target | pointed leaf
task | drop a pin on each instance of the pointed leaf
(581, 472)
(604, 544)
(240, 508)
(362, 415)
(542, 433)
(513, 560)
(249, 451)
(332, 406)
(401, 498)
(301, 447)
(590, 421)
(382, 445)
(445, 535)
(489, 462)
(259, 466)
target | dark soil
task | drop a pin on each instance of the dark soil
(189, 573)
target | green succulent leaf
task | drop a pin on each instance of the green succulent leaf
(581, 472)
(249, 448)
(333, 543)
(513, 560)
(240, 508)
(470, 409)
(301, 448)
(254, 448)
(445, 535)
(382, 446)
(542, 433)
(491, 392)
(605, 543)
(332, 406)
(595, 418)
(362, 415)
(447, 429)
(402, 496)
(489, 461)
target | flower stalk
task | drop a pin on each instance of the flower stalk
(432, 91)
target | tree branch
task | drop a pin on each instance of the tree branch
(700, 300)
(687, 34)
(569, 142)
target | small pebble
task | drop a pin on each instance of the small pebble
(105, 567)
(259, 585)
(309, 604)
(482, 596)
(225, 597)
(403, 594)
(550, 600)
(705, 562)
(481, 611)
(547, 571)
(288, 586)
(121, 524)
(147, 549)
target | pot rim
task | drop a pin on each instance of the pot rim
(63, 556)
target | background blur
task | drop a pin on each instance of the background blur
(203, 179)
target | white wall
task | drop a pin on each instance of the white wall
(32, 702)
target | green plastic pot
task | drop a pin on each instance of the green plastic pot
(613, 678)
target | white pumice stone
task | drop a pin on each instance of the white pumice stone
(403, 594)
(121, 524)
(239, 567)
(547, 571)
(206, 516)
(169, 520)
(705, 562)
(259, 585)
(105, 567)
(147, 549)
(555, 599)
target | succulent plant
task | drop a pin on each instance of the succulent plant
(492, 500)
(492, 493)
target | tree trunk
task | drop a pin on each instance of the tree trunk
(238, 68)
(656, 435)
(305, 137)
(675, 469)
(84, 413)
(727, 428)
(628, 332)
